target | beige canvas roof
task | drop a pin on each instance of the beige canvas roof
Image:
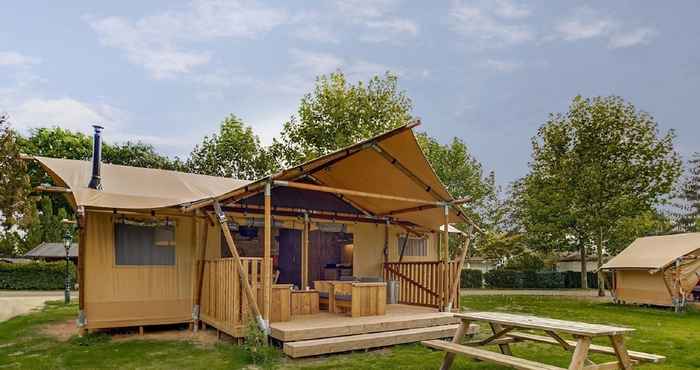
(362, 167)
(136, 188)
(655, 252)
(391, 163)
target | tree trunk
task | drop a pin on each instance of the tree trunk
(601, 282)
(584, 266)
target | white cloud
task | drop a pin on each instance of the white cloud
(639, 36)
(488, 24)
(502, 65)
(13, 58)
(378, 18)
(68, 113)
(316, 33)
(316, 62)
(510, 10)
(390, 29)
(587, 23)
(159, 42)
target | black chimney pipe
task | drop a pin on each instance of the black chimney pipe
(96, 180)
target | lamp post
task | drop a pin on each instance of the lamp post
(66, 244)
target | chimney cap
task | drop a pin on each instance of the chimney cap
(98, 128)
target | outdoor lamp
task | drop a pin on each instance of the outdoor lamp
(66, 244)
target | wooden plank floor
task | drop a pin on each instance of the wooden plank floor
(365, 341)
(327, 325)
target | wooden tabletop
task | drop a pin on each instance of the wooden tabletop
(533, 322)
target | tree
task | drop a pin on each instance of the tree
(16, 207)
(592, 168)
(337, 114)
(234, 152)
(689, 206)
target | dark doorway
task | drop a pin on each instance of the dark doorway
(289, 261)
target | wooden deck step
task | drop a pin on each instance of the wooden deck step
(639, 356)
(482, 354)
(328, 326)
(366, 341)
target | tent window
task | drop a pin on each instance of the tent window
(144, 245)
(415, 247)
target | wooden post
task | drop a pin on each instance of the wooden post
(82, 250)
(266, 265)
(386, 242)
(578, 359)
(459, 334)
(200, 274)
(445, 258)
(455, 279)
(243, 276)
(305, 253)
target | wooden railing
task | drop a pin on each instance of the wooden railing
(224, 304)
(423, 283)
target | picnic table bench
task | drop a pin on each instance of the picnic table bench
(503, 326)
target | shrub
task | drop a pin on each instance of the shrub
(261, 354)
(550, 280)
(472, 279)
(529, 280)
(35, 275)
(502, 278)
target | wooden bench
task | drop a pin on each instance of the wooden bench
(639, 356)
(503, 325)
(485, 355)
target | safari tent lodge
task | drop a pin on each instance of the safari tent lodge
(657, 270)
(308, 253)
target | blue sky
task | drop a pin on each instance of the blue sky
(489, 72)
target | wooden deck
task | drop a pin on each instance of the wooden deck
(323, 332)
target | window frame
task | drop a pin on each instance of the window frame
(145, 223)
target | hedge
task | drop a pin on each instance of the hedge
(35, 275)
(472, 279)
(511, 279)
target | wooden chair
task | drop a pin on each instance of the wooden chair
(324, 289)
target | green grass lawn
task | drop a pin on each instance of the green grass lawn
(676, 336)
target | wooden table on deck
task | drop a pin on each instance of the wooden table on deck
(304, 302)
(504, 324)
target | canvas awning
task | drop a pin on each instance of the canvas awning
(655, 252)
(391, 163)
(135, 188)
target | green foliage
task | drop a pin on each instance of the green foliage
(35, 275)
(260, 352)
(592, 168)
(689, 206)
(337, 114)
(501, 278)
(234, 152)
(525, 262)
(15, 205)
(472, 279)
(514, 279)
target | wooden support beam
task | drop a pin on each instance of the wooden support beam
(81, 216)
(305, 253)
(328, 189)
(243, 276)
(445, 257)
(454, 292)
(267, 254)
(52, 189)
(200, 271)
(417, 180)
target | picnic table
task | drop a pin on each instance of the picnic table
(504, 326)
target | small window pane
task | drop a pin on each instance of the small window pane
(415, 247)
(144, 245)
